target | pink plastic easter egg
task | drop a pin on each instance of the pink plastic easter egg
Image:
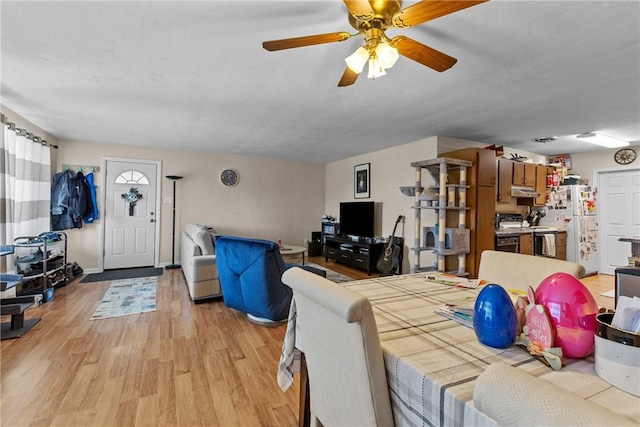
(572, 311)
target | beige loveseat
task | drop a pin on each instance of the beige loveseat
(198, 260)
(517, 271)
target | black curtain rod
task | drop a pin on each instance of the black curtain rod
(28, 135)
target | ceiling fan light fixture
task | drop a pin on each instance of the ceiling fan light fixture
(375, 68)
(544, 139)
(357, 59)
(602, 140)
(387, 55)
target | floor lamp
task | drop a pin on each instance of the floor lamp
(173, 264)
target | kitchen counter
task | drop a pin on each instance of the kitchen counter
(527, 230)
(635, 245)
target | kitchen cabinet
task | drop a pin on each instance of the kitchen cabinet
(521, 174)
(541, 185)
(561, 245)
(483, 166)
(505, 180)
(526, 243)
(480, 218)
(524, 174)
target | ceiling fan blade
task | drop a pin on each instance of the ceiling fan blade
(360, 9)
(425, 55)
(348, 78)
(273, 45)
(427, 10)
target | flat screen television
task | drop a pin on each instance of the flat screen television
(356, 218)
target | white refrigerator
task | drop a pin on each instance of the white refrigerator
(575, 208)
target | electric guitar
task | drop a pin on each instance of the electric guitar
(389, 259)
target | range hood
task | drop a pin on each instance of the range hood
(524, 192)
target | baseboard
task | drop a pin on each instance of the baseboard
(164, 264)
(98, 270)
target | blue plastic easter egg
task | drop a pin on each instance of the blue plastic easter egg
(494, 317)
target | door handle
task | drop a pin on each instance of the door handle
(152, 220)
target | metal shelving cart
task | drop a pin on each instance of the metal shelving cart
(41, 260)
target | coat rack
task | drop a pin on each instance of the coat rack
(81, 168)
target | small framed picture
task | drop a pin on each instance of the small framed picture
(362, 181)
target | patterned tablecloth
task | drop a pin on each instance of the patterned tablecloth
(432, 362)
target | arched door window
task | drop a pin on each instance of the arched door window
(132, 177)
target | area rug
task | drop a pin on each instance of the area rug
(128, 296)
(334, 276)
(125, 273)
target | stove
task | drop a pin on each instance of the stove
(508, 242)
(509, 227)
(508, 220)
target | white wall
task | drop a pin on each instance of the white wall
(390, 169)
(23, 123)
(584, 164)
(275, 199)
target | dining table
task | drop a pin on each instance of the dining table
(432, 362)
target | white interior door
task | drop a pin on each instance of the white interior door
(130, 235)
(619, 216)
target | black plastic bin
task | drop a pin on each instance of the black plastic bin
(627, 282)
(314, 249)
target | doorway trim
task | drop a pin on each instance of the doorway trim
(596, 182)
(156, 249)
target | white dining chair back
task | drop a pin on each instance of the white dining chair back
(513, 397)
(517, 271)
(347, 379)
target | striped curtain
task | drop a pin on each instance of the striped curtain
(25, 175)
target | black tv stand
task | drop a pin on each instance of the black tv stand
(362, 252)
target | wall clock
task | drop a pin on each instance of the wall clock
(229, 177)
(625, 156)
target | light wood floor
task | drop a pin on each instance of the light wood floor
(181, 365)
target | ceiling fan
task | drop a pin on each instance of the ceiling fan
(372, 18)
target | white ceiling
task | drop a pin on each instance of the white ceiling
(193, 75)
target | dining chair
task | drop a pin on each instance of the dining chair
(338, 334)
(517, 271)
(513, 397)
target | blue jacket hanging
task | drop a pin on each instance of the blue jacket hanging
(92, 214)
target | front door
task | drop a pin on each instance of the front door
(130, 231)
(619, 214)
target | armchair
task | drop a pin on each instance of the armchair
(250, 272)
